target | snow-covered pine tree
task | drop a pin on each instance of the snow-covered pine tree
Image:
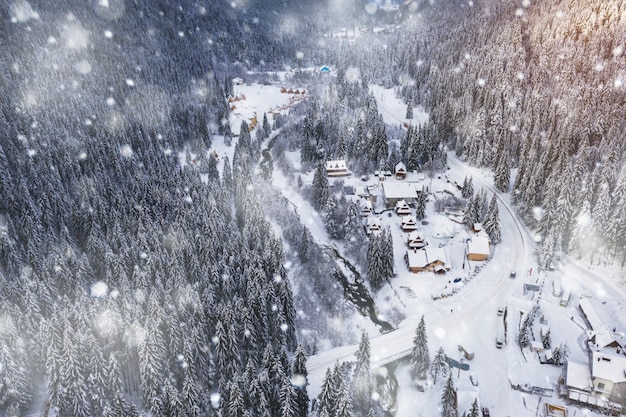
(439, 366)
(300, 381)
(448, 399)
(376, 264)
(467, 190)
(319, 187)
(470, 217)
(362, 377)
(420, 205)
(420, 355)
(474, 411)
(492, 221)
(409, 112)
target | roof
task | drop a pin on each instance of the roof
(400, 167)
(608, 366)
(373, 222)
(424, 257)
(408, 219)
(590, 313)
(478, 245)
(336, 164)
(399, 190)
(578, 376)
(401, 204)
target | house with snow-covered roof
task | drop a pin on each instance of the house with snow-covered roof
(408, 223)
(402, 208)
(415, 240)
(478, 248)
(337, 168)
(365, 207)
(373, 225)
(400, 170)
(428, 259)
(394, 191)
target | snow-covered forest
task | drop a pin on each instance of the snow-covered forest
(140, 275)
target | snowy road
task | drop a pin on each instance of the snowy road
(468, 318)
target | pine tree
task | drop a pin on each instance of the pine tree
(319, 188)
(327, 398)
(362, 380)
(474, 411)
(492, 221)
(376, 264)
(448, 399)
(300, 381)
(420, 356)
(470, 217)
(467, 190)
(409, 112)
(439, 366)
(420, 205)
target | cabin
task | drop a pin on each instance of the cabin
(415, 240)
(428, 259)
(365, 207)
(373, 226)
(478, 248)
(408, 224)
(400, 170)
(337, 168)
(394, 191)
(237, 81)
(402, 208)
(608, 375)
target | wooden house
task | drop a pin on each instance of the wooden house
(402, 208)
(365, 207)
(400, 171)
(373, 225)
(415, 240)
(427, 259)
(408, 224)
(478, 248)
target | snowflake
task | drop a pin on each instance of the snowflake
(99, 289)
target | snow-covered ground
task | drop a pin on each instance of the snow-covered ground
(468, 317)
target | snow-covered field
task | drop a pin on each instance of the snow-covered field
(467, 317)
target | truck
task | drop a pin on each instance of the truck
(565, 297)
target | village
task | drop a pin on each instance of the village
(571, 361)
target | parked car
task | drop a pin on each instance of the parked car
(485, 412)
(501, 310)
(513, 274)
(457, 279)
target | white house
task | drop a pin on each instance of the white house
(402, 208)
(337, 168)
(400, 170)
(394, 191)
(409, 223)
(365, 207)
(478, 248)
(428, 259)
(415, 240)
(373, 225)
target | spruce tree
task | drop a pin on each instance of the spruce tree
(362, 380)
(420, 356)
(300, 381)
(409, 112)
(376, 265)
(439, 366)
(319, 188)
(448, 399)
(474, 411)
(420, 206)
(492, 221)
